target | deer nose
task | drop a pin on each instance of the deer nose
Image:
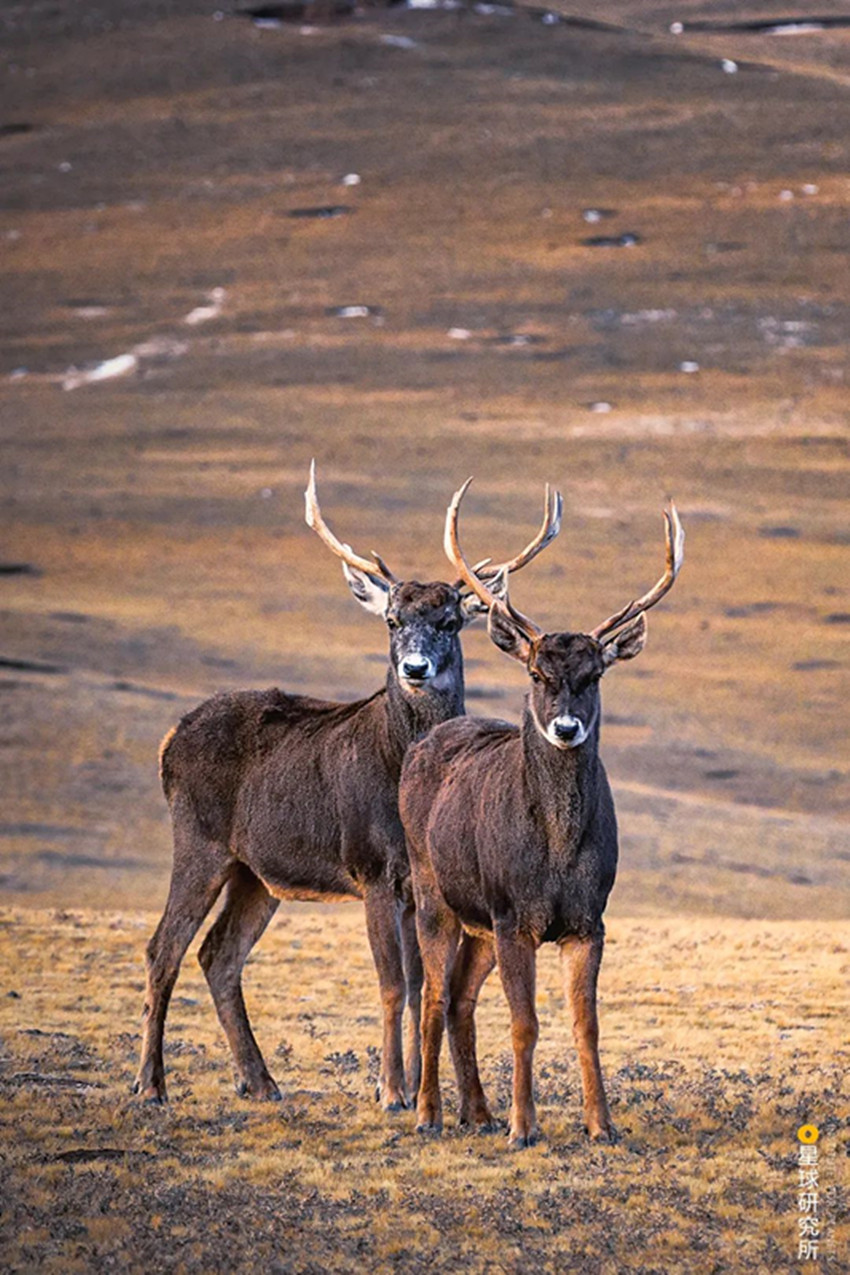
(416, 667)
(566, 728)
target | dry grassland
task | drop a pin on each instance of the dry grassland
(155, 552)
(719, 1040)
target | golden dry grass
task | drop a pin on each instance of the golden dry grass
(161, 520)
(719, 1039)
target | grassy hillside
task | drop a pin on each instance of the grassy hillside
(718, 1041)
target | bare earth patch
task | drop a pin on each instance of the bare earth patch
(718, 1041)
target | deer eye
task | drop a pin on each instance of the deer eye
(448, 624)
(536, 678)
(393, 622)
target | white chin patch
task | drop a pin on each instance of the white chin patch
(415, 683)
(563, 740)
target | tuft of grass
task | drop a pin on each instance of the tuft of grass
(716, 1046)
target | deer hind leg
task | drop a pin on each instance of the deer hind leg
(383, 929)
(581, 960)
(200, 870)
(517, 959)
(247, 910)
(413, 976)
(474, 961)
(439, 931)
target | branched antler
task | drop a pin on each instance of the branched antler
(491, 586)
(675, 537)
(313, 515)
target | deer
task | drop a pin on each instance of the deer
(512, 840)
(280, 796)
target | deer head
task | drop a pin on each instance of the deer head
(424, 620)
(565, 668)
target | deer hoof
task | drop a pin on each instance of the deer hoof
(392, 1099)
(603, 1133)
(153, 1095)
(263, 1091)
(519, 1141)
(482, 1123)
(430, 1128)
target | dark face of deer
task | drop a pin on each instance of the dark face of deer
(424, 621)
(565, 669)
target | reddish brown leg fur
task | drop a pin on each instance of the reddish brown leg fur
(581, 961)
(413, 975)
(382, 926)
(438, 938)
(200, 870)
(248, 908)
(475, 959)
(517, 960)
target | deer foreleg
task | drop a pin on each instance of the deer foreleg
(581, 960)
(413, 975)
(438, 932)
(517, 960)
(382, 926)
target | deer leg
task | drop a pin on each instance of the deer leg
(475, 959)
(517, 959)
(581, 960)
(248, 908)
(190, 897)
(438, 931)
(382, 926)
(413, 975)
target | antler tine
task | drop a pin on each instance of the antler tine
(553, 508)
(675, 537)
(455, 554)
(314, 519)
(490, 596)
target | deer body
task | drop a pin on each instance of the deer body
(282, 796)
(262, 771)
(277, 796)
(512, 840)
(303, 792)
(536, 849)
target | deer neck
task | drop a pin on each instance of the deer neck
(411, 714)
(561, 783)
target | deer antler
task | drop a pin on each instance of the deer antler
(314, 519)
(675, 537)
(553, 508)
(494, 593)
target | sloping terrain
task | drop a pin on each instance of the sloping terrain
(416, 245)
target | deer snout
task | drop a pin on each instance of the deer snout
(416, 668)
(567, 731)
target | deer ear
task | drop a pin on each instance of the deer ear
(628, 643)
(507, 635)
(371, 592)
(471, 608)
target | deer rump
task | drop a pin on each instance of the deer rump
(494, 859)
(292, 788)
